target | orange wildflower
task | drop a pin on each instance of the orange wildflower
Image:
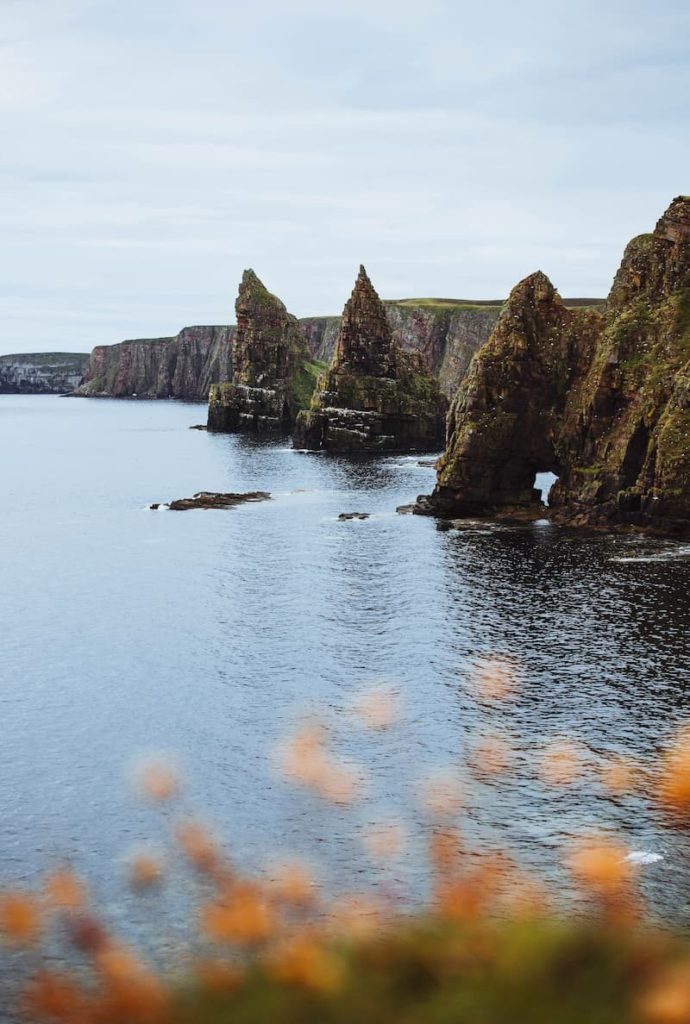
(198, 846)
(64, 890)
(157, 781)
(443, 795)
(218, 976)
(619, 775)
(145, 870)
(293, 884)
(562, 762)
(385, 840)
(306, 760)
(20, 918)
(491, 754)
(495, 678)
(304, 961)
(377, 708)
(242, 916)
(600, 866)
(667, 1001)
(674, 772)
(56, 997)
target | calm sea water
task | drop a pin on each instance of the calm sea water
(210, 635)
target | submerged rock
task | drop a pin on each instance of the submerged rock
(273, 377)
(600, 398)
(213, 499)
(374, 396)
(354, 515)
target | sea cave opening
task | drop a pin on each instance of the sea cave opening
(544, 482)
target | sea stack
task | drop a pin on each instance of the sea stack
(272, 376)
(601, 399)
(374, 396)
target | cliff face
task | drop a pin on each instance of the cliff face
(446, 333)
(374, 396)
(601, 398)
(179, 367)
(271, 370)
(45, 373)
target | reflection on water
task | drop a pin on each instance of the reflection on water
(210, 634)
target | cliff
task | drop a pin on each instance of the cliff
(45, 373)
(181, 367)
(601, 398)
(446, 332)
(272, 375)
(374, 396)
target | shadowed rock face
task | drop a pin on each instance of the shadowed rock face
(268, 354)
(602, 399)
(374, 397)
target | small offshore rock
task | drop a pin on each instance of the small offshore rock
(214, 499)
(199, 426)
(354, 515)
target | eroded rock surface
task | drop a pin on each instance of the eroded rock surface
(374, 396)
(184, 366)
(42, 373)
(273, 376)
(600, 398)
(213, 499)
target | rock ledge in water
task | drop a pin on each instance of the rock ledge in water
(213, 499)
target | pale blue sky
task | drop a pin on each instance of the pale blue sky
(152, 149)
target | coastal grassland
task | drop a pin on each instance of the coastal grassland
(304, 382)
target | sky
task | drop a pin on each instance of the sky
(150, 150)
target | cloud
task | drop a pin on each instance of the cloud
(152, 151)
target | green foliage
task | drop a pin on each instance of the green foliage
(305, 381)
(529, 972)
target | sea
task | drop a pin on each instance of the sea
(210, 637)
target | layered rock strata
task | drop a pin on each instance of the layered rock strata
(273, 377)
(183, 366)
(600, 398)
(374, 396)
(45, 373)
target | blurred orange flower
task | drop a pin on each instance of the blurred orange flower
(667, 1001)
(157, 780)
(199, 847)
(600, 865)
(377, 708)
(384, 840)
(491, 754)
(145, 870)
(64, 890)
(620, 774)
(242, 916)
(20, 918)
(495, 678)
(304, 961)
(562, 762)
(674, 772)
(443, 795)
(292, 883)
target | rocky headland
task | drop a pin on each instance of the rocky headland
(374, 396)
(447, 333)
(183, 366)
(273, 376)
(44, 373)
(600, 397)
